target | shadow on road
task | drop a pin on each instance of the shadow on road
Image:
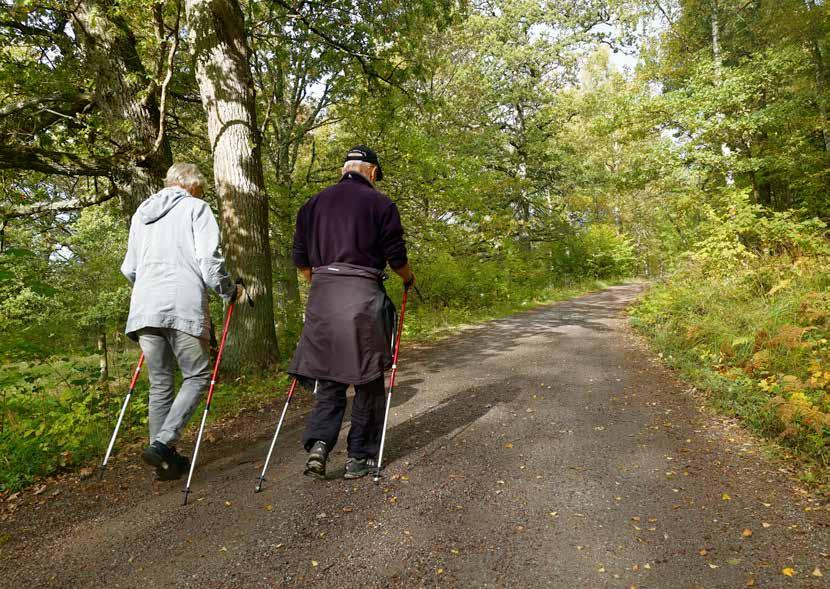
(455, 413)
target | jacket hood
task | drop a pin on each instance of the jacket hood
(158, 205)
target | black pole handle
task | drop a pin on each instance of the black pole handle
(241, 283)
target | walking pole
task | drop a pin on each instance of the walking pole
(391, 383)
(276, 433)
(121, 416)
(186, 490)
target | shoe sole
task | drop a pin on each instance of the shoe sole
(355, 475)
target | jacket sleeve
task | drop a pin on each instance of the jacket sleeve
(299, 252)
(391, 235)
(208, 256)
(130, 264)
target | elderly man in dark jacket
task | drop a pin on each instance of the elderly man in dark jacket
(345, 236)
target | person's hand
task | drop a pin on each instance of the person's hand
(237, 293)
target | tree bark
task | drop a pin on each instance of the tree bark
(124, 93)
(226, 86)
(717, 60)
(103, 365)
(821, 91)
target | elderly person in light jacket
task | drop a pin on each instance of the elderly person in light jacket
(173, 260)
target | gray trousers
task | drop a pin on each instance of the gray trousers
(163, 349)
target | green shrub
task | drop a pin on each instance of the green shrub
(747, 316)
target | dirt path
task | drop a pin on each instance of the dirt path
(548, 449)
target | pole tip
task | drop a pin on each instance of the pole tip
(101, 471)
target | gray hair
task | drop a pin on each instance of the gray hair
(362, 168)
(185, 176)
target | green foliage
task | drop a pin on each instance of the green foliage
(747, 316)
(55, 414)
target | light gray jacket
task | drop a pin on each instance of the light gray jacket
(172, 259)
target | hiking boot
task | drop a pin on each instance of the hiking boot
(179, 466)
(315, 466)
(359, 467)
(170, 465)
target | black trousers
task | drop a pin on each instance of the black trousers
(367, 417)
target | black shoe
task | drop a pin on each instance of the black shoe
(359, 467)
(170, 465)
(315, 466)
(179, 466)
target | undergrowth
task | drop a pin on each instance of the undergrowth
(747, 318)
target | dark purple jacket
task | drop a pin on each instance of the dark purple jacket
(347, 233)
(349, 223)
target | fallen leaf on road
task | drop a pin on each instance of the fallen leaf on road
(508, 445)
(725, 497)
(746, 533)
(269, 507)
(314, 563)
(733, 561)
(817, 572)
(347, 509)
(223, 549)
(40, 489)
(750, 582)
(439, 572)
(766, 525)
(787, 571)
(454, 551)
(712, 566)
(227, 503)
(702, 552)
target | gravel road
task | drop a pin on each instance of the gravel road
(548, 449)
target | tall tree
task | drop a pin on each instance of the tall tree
(126, 92)
(87, 104)
(223, 72)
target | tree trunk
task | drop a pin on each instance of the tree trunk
(717, 60)
(223, 72)
(103, 365)
(125, 94)
(821, 91)
(716, 54)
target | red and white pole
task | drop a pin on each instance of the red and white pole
(391, 382)
(186, 490)
(276, 433)
(134, 379)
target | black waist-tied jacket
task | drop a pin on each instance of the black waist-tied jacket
(346, 234)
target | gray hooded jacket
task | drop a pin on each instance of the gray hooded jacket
(172, 259)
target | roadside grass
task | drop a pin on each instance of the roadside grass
(55, 416)
(756, 338)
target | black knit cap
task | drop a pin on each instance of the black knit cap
(361, 153)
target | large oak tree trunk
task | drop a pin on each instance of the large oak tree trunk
(127, 97)
(226, 87)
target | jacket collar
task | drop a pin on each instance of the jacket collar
(357, 178)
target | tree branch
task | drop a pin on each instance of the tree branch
(18, 157)
(72, 204)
